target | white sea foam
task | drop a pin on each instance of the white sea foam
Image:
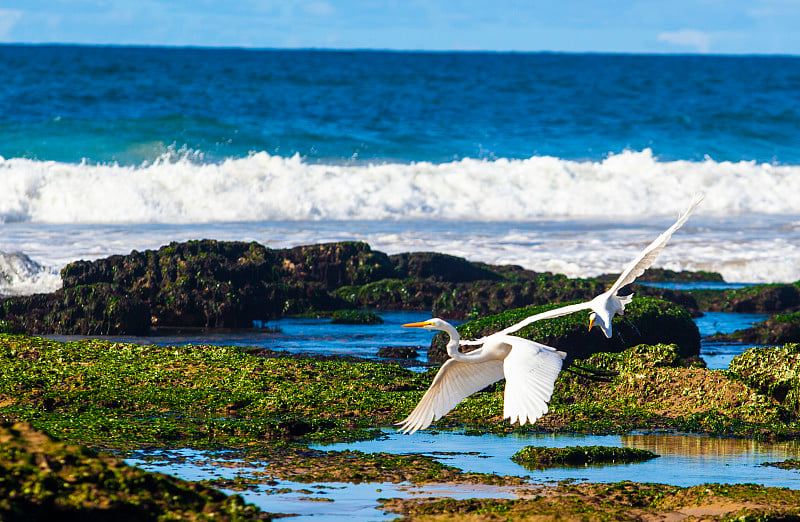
(20, 275)
(262, 187)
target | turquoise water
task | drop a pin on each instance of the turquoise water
(131, 105)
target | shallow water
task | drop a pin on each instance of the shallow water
(685, 460)
(310, 501)
(321, 337)
(718, 355)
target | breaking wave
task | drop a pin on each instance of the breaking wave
(265, 187)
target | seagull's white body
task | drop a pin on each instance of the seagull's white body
(607, 304)
(530, 370)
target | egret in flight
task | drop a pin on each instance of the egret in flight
(607, 304)
(530, 370)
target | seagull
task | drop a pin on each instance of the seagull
(529, 368)
(609, 303)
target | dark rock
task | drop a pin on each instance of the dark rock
(752, 299)
(663, 275)
(336, 264)
(222, 285)
(646, 321)
(440, 267)
(398, 352)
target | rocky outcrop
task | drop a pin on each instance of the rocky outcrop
(223, 284)
(777, 330)
(772, 370)
(646, 321)
(752, 299)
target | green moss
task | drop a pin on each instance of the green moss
(355, 317)
(44, 479)
(618, 501)
(774, 371)
(788, 464)
(646, 321)
(534, 457)
(124, 396)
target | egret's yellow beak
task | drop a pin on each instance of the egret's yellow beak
(591, 323)
(422, 324)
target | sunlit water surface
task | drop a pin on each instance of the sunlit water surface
(685, 460)
(321, 337)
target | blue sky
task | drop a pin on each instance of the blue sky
(676, 26)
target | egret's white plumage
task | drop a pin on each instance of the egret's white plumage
(607, 304)
(530, 370)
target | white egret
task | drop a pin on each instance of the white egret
(530, 370)
(607, 304)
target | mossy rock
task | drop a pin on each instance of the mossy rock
(95, 309)
(398, 352)
(440, 267)
(355, 317)
(44, 479)
(777, 330)
(638, 358)
(533, 457)
(646, 321)
(773, 371)
(334, 265)
(663, 275)
(770, 298)
(788, 464)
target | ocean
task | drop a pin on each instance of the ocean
(568, 163)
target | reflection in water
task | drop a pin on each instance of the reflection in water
(685, 460)
(328, 501)
(700, 447)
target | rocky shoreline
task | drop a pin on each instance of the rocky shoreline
(118, 397)
(221, 284)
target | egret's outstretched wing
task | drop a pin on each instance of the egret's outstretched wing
(549, 314)
(531, 370)
(455, 382)
(647, 256)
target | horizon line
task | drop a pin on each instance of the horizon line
(390, 50)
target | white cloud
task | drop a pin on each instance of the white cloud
(8, 19)
(700, 41)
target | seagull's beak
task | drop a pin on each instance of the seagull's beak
(422, 324)
(591, 323)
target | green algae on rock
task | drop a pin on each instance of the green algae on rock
(126, 396)
(300, 464)
(619, 501)
(767, 298)
(228, 284)
(646, 321)
(113, 394)
(653, 390)
(788, 464)
(534, 457)
(355, 317)
(778, 329)
(774, 371)
(44, 479)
